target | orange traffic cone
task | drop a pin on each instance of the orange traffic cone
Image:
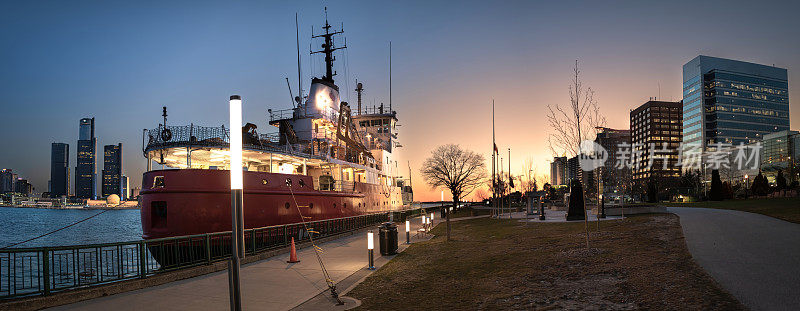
(293, 254)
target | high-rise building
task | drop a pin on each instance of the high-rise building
(612, 172)
(125, 188)
(7, 180)
(23, 187)
(558, 171)
(656, 141)
(731, 102)
(59, 170)
(112, 170)
(780, 153)
(85, 171)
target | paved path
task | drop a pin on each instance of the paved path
(755, 257)
(270, 284)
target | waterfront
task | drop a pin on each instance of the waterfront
(24, 223)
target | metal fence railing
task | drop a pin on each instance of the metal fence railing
(43, 270)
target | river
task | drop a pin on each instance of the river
(19, 224)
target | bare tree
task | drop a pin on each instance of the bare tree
(574, 124)
(528, 181)
(460, 171)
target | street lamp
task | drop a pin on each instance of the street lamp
(746, 178)
(370, 247)
(237, 193)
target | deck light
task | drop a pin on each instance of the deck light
(370, 246)
(237, 193)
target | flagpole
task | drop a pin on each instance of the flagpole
(494, 185)
(509, 183)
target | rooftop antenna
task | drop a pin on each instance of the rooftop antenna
(659, 90)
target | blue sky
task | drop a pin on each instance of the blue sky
(120, 61)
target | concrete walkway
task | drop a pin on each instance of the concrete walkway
(270, 284)
(755, 257)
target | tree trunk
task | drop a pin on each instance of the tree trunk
(447, 215)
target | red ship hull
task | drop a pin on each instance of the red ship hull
(197, 201)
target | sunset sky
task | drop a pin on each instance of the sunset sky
(120, 61)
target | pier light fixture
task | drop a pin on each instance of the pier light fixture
(236, 142)
(370, 247)
(237, 193)
(408, 232)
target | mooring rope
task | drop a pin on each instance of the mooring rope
(317, 250)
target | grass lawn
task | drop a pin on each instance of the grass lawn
(639, 263)
(782, 208)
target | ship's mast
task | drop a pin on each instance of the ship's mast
(328, 48)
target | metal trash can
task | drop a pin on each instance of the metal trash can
(387, 236)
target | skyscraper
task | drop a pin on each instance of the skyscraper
(7, 180)
(558, 171)
(732, 102)
(112, 170)
(656, 139)
(85, 171)
(611, 173)
(59, 170)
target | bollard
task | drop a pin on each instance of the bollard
(541, 210)
(408, 232)
(370, 246)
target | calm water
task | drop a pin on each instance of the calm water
(18, 224)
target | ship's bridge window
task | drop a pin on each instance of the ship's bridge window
(158, 182)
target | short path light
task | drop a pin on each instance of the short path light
(370, 247)
(408, 232)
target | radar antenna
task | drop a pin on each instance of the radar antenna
(328, 47)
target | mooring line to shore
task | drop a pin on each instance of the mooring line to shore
(331, 284)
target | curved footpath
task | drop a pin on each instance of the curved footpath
(755, 257)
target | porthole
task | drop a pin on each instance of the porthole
(334, 205)
(310, 205)
(288, 182)
(344, 205)
(301, 182)
(264, 182)
(286, 205)
(359, 204)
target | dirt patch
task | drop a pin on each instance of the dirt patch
(638, 263)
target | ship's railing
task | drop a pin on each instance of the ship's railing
(199, 136)
(300, 112)
(375, 110)
(170, 136)
(44, 270)
(324, 184)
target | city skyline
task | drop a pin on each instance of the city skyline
(122, 74)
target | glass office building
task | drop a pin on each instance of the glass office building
(732, 102)
(85, 173)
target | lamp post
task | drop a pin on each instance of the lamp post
(602, 207)
(746, 177)
(370, 247)
(237, 193)
(408, 232)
